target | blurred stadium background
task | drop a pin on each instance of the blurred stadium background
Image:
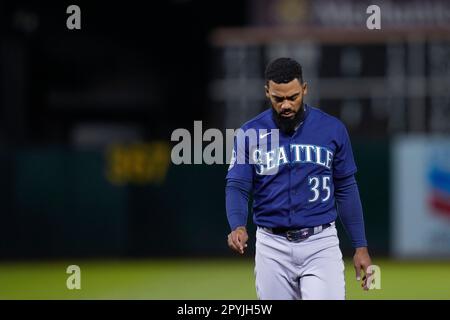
(87, 115)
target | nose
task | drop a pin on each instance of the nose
(285, 105)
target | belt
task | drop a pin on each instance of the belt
(298, 234)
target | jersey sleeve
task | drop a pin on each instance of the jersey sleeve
(349, 207)
(240, 167)
(343, 162)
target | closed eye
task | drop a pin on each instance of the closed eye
(278, 99)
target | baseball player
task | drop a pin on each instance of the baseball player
(299, 185)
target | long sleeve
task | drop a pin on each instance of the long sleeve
(236, 200)
(350, 210)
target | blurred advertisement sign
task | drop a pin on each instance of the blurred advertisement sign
(138, 163)
(421, 196)
(350, 13)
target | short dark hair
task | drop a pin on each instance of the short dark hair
(283, 70)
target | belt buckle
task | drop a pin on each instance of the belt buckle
(293, 235)
(289, 235)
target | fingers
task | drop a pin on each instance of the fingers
(234, 243)
(358, 272)
(231, 243)
(364, 283)
(242, 239)
(237, 242)
(367, 280)
(362, 262)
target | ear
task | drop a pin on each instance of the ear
(305, 89)
(267, 91)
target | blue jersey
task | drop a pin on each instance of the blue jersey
(301, 191)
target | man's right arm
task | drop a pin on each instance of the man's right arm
(239, 183)
(236, 197)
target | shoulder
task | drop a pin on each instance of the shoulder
(325, 119)
(262, 120)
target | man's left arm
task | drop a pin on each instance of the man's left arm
(350, 211)
(348, 202)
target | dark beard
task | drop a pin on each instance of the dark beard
(287, 126)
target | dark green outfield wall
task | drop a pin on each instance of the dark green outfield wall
(57, 203)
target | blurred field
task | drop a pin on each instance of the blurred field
(200, 279)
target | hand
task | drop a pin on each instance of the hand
(361, 260)
(237, 239)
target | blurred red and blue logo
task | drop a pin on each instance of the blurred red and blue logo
(439, 197)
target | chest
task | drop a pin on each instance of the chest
(309, 153)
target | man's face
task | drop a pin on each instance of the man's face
(286, 98)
